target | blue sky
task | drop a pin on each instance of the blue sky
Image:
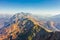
(37, 7)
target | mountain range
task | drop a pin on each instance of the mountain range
(25, 26)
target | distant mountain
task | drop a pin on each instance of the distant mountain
(55, 18)
(3, 19)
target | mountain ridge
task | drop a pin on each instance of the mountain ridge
(27, 26)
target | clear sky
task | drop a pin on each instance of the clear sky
(38, 7)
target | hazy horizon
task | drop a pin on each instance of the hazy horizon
(37, 7)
